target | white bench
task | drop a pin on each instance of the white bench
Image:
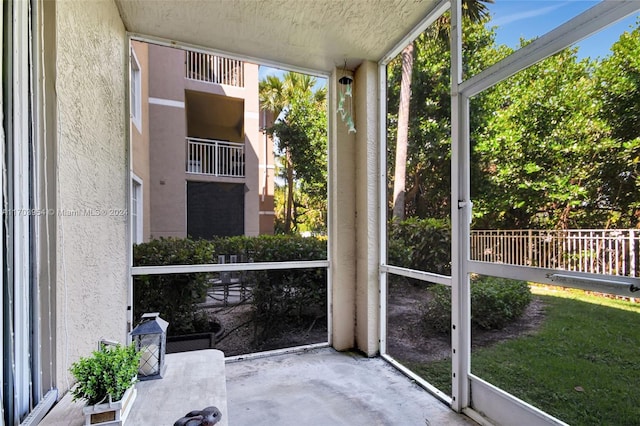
(193, 381)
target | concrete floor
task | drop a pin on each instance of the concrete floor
(326, 387)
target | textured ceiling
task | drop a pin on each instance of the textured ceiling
(312, 34)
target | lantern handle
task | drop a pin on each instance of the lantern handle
(106, 342)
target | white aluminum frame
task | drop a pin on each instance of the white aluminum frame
(226, 267)
(439, 8)
(209, 51)
(44, 394)
(25, 241)
(138, 207)
(135, 86)
(492, 402)
(382, 200)
(3, 141)
(580, 27)
(22, 283)
(460, 213)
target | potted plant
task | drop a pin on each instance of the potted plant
(106, 380)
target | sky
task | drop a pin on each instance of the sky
(264, 71)
(532, 18)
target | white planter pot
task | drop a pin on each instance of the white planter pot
(110, 413)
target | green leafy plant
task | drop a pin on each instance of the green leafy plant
(423, 244)
(495, 302)
(106, 374)
(437, 312)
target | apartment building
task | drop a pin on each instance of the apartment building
(202, 161)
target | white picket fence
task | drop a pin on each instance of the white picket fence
(600, 251)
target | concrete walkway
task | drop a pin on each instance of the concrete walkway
(326, 387)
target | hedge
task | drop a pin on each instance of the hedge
(495, 302)
(422, 244)
(279, 297)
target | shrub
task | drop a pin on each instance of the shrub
(437, 313)
(423, 244)
(286, 297)
(108, 372)
(174, 296)
(495, 302)
(279, 297)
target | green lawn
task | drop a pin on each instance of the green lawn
(583, 366)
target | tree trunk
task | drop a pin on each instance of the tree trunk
(403, 134)
(288, 216)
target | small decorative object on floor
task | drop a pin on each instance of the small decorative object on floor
(207, 417)
(150, 338)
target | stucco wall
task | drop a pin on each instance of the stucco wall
(342, 230)
(266, 176)
(167, 158)
(92, 250)
(367, 201)
(171, 113)
(140, 138)
(167, 131)
(253, 145)
(354, 236)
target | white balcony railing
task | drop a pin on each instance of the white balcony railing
(215, 158)
(214, 69)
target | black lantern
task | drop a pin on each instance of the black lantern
(150, 337)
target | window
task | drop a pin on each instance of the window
(28, 289)
(136, 91)
(136, 210)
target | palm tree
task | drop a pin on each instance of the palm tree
(403, 133)
(276, 96)
(475, 10)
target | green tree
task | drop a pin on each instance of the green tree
(562, 146)
(538, 150)
(428, 168)
(301, 138)
(618, 88)
(473, 11)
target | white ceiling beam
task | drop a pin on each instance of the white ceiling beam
(431, 17)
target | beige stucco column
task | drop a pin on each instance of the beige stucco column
(353, 200)
(367, 202)
(92, 270)
(342, 228)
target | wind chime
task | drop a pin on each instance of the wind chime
(345, 101)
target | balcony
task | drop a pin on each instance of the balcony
(214, 69)
(215, 158)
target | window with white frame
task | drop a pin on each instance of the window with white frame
(136, 210)
(27, 351)
(136, 91)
